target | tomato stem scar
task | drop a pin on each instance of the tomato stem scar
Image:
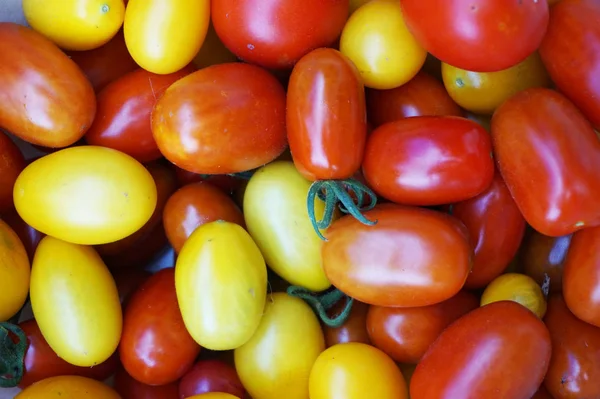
(322, 302)
(11, 355)
(105, 8)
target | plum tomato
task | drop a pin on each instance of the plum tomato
(68, 387)
(14, 272)
(516, 287)
(129, 388)
(543, 257)
(211, 376)
(354, 328)
(12, 163)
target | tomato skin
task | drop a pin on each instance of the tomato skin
(68, 387)
(129, 388)
(278, 33)
(12, 163)
(542, 255)
(541, 131)
(14, 272)
(326, 116)
(46, 98)
(30, 237)
(211, 376)
(403, 163)
(503, 334)
(354, 328)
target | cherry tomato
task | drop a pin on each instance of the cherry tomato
(516, 287)
(12, 163)
(14, 272)
(540, 131)
(543, 256)
(129, 388)
(45, 97)
(502, 334)
(128, 281)
(354, 328)
(30, 237)
(68, 387)
(211, 376)
(478, 35)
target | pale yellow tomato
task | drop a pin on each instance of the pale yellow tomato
(76, 24)
(516, 287)
(213, 395)
(221, 283)
(163, 36)
(68, 387)
(277, 360)
(14, 272)
(213, 51)
(86, 195)
(377, 40)
(277, 218)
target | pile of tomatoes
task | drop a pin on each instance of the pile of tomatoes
(375, 199)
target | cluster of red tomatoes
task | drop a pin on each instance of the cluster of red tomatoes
(375, 199)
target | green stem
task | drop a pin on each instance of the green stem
(322, 302)
(12, 355)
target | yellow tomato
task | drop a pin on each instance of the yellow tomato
(356, 371)
(76, 24)
(377, 40)
(213, 395)
(163, 36)
(14, 272)
(516, 287)
(277, 360)
(68, 387)
(75, 302)
(86, 195)
(277, 218)
(221, 283)
(213, 51)
(483, 92)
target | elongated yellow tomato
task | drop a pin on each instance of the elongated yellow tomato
(277, 360)
(75, 302)
(68, 387)
(221, 284)
(85, 195)
(277, 218)
(14, 272)
(76, 24)
(163, 36)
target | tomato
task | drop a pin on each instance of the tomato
(68, 387)
(277, 360)
(575, 364)
(496, 228)
(540, 131)
(405, 334)
(543, 256)
(277, 33)
(483, 92)
(423, 95)
(163, 36)
(213, 51)
(12, 163)
(356, 371)
(69, 283)
(226, 118)
(502, 334)
(86, 195)
(130, 388)
(124, 108)
(141, 251)
(84, 24)
(516, 287)
(211, 376)
(30, 237)
(45, 97)
(429, 160)
(14, 272)
(128, 281)
(277, 219)
(221, 292)
(354, 328)
(570, 52)
(377, 40)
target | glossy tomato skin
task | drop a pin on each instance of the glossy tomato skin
(326, 116)
(68, 387)
(29, 236)
(222, 119)
(503, 334)
(541, 131)
(543, 256)
(403, 160)
(433, 270)
(129, 388)
(500, 35)
(354, 328)
(278, 33)
(211, 376)
(12, 163)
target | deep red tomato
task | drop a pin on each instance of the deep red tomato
(222, 119)
(354, 328)
(496, 228)
(575, 365)
(211, 376)
(429, 160)
(29, 236)
(423, 95)
(141, 251)
(124, 108)
(543, 256)
(45, 97)
(501, 350)
(225, 182)
(129, 388)
(12, 163)
(405, 334)
(478, 35)
(128, 281)
(541, 132)
(156, 348)
(411, 257)
(570, 53)
(277, 33)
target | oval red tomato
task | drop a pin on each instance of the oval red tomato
(211, 376)
(12, 163)
(129, 388)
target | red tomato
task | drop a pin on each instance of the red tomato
(29, 236)
(478, 35)
(12, 163)
(225, 182)
(124, 108)
(277, 33)
(423, 95)
(226, 118)
(570, 53)
(129, 388)
(128, 281)
(543, 256)
(354, 328)
(429, 160)
(501, 350)
(141, 251)
(45, 97)
(405, 334)
(211, 376)
(540, 132)
(496, 228)
(411, 257)
(156, 348)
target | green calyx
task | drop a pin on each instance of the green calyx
(322, 302)
(12, 355)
